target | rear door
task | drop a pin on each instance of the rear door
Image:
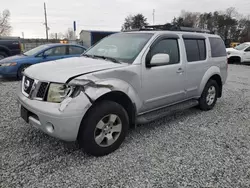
(75, 51)
(197, 63)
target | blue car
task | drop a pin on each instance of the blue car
(14, 66)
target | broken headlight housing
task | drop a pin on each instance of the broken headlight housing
(79, 82)
(58, 92)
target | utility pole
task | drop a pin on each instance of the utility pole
(46, 23)
(153, 16)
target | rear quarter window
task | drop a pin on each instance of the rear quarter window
(218, 48)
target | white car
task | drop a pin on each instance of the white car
(239, 54)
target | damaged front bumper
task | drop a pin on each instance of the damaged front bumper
(60, 120)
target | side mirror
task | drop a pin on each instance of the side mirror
(159, 59)
(247, 50)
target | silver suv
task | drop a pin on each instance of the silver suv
(126, 79)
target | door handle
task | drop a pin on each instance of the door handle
(180, 70)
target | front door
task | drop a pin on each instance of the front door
(54, 53)
(246, 55)
(164, 84)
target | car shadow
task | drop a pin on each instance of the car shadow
(3, 79)
(47, 144)
(244, 64)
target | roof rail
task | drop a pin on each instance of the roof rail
(171, 27)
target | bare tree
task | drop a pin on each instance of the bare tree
(52, 36)
(69, 34)
(232, 12)
(190, 19)
(5, 27)
(60, 35)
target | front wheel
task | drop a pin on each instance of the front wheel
(103, 129)
(209, 96)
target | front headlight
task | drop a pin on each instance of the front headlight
(58, 92)
(8, 64)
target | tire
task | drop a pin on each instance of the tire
(94, 137)
(209, 96)
(20, 71)
(234, 60)
(3, 55)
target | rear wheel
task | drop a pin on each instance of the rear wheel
(21, 70)
(3, 55)
(104, 128)
(209, 96)
(234, 60)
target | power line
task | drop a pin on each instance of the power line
(62, 24)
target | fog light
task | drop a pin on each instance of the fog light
(49, 127)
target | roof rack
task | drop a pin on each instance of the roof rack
(171, 27)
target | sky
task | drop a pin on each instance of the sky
(27, 16)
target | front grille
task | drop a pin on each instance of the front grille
(42, 90)
(27, 85)
(34, 89)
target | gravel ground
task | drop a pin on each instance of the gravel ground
(188, 149)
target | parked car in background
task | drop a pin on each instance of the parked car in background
(126, 79)
(14, 66)
(9, 46)
(234, 44)
(239, 54)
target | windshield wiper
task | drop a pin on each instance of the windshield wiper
(107, 58)
(86, 55)
(102, 57)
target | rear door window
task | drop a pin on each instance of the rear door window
(218, 48)
(202, 49)
(74, 50)
(192, 50)
(195, 49)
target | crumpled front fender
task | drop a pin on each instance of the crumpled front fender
(103, 87)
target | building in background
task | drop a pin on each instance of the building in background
(90, 37)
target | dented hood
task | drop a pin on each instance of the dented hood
(62, 70)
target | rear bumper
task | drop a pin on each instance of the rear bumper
(63, 124)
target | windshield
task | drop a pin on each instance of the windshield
(241, 46)
(124, 47)
(35, 50)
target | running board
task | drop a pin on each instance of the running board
(156, 114)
